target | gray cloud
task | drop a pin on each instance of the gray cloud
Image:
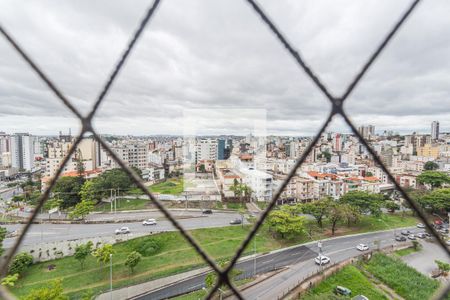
(203, 54)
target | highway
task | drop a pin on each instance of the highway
(7, 194)
(41, 233)
(299, 262)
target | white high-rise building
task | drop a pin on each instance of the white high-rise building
(22, 151)
(206, 149)
(367, 131)
(435, 130)
(4, 142)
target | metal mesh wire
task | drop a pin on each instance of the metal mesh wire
(336, 109)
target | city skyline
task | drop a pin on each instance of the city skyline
(236, 63)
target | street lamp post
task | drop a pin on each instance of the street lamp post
(254, 256)
(110, 276)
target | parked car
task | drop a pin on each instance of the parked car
(362, 247)
(322, 260)
(235, 221)
(360, 297)
(406, 232)
(421, 235)
(400, 238)
(149, 222)
(420, 225)
(207, 211)
(340, 290)
(123, 230)
(411, 237)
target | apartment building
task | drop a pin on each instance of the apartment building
(260, 182)
(206, 149)
(133, 154)
(22, 151)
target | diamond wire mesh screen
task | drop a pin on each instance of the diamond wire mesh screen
(336, 109)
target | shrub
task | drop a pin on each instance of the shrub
(53, 291)
(132, 260)
(149, 247)
(20, 263)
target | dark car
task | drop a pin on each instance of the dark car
(206, 211)
(406, 232)
(235, 221)
(400, 238)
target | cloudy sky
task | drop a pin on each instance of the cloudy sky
(217, 56)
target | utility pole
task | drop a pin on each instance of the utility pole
(111, 199)
(254, 256)
(115, 202)
(110, 276)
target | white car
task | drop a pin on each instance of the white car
(123, 230)
(362, 247)
(322, 260)
(149, 222)
(420, 225)
(411, 237)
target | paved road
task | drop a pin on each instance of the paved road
(40, 233)
(423, 261)
(9, 193)
(338, 250)
(299, 261)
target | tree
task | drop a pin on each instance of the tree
(52, 292)
(82, 209)
(114, 179)
(82, 252)
(20, 263)
(52, 203)
(10, 280)
(433, 178)
(436, 201)
(68, 189)
(335, 212)
(351, 214)
(103, 253)
(89, 192)
(80, 166)
(391, 206)
(2, 238)
(247, 191)
(317, 209)
(132, 260)
(444, 267)
(430, 166)
(211, 278)
(369, 174)
(236, 188)
(285, 224)
(327, 155)
(364, 201)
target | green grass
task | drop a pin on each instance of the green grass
(176, 256)
(351, 278)
(261, 204)
(171, 186)
(404, 280)
(200, 294)
(235, 206)
(124, 204)
(406, 251)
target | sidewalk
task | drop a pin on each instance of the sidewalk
(135, 290)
